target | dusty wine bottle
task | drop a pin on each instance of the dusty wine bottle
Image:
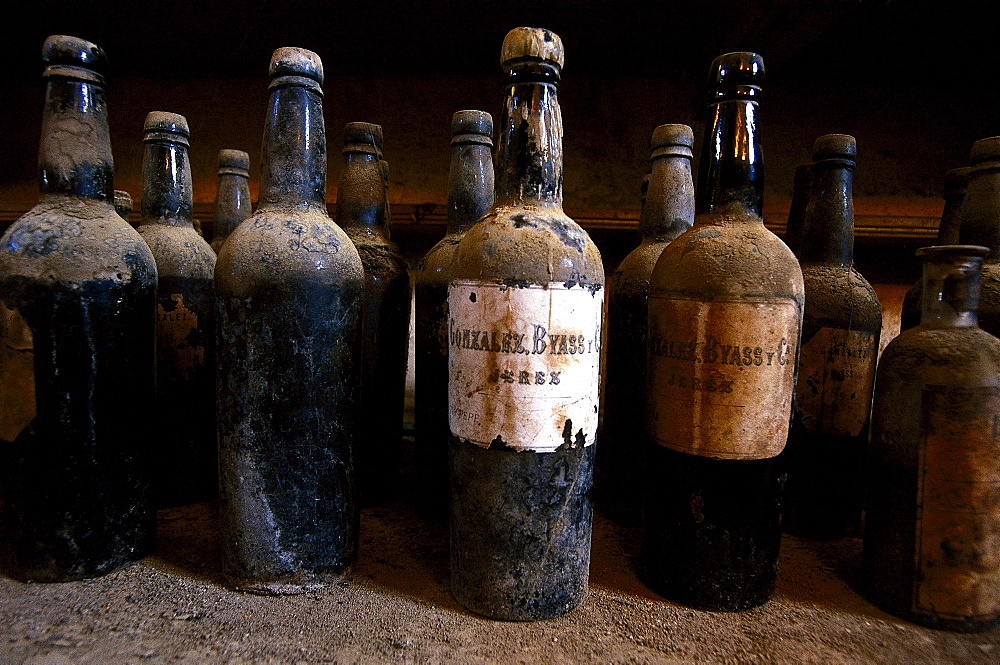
(385, 314)
(931, 555)
(185, 468)
(524, 331)
(123, 204)
(470, 195)
(667, 213)
(79, 296)
(801, 187)
(949, 231)
(232, 198)
(288, 284)
(725, 310)
(841, 327)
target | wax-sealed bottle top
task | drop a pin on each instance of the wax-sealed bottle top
(74, 58)
(842, 148)
(736, 75)
(234, 162)
(672, 141)
(472, 126)
(292, 62)
(364, 137)
(165, 126)
(534, 44)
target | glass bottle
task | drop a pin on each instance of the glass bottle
(667, 213)
(288, 286)
(232, 198)
(524, 330)
(955, 183)
(123, 204)
(470, 195)
(185, 468)
(801, 187)
(385, 315)
(931, 553)
(725, 311)
(841, 327)
(979, 224)
(79, 296)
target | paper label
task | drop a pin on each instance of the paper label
(836, 374)
(17, 374)
(524, 364)
(180, 343)
(721, 374)
(958, 499)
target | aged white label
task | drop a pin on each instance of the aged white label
(524, 364)
(836, 374)
(721, 374)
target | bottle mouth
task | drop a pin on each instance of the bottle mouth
(532, 70)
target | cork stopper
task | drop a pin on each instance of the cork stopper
(165, 126)
(736, 75)
(985, 154)
(533, 44)
(296, 66)
(234, 162)
(835, 146)
(956, 181)
(362, 137)
(472, 126)
(672, 141)
(74, 58)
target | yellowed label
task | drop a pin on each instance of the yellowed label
(180, 345)
(958, 526)
(836, 374)
(721, 375)
(17, 374)
(524, 364)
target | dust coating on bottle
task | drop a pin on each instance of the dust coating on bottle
(78, 287)
(979, 224)
(932, 515)
(232, 198)
(288, 283)
(521, 521)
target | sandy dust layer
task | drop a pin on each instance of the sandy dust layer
(396, 607)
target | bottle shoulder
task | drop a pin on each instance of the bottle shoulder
(537, 245)
(75, 240)
(282, 244)
(837, 295)
(728, 254)
(634, 272)
(379, 256)
(179, 251)
(435, 265)
(941, 356)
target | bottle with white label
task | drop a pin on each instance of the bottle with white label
(841, 327)
(725, 311)
(931, 552)
(801, 187)
(288, 284)
(667, 213)
(470, 195)
(956, 181)
(385, 313)
(232, 198)
(76, 356)
(182, 432)
(524, 334)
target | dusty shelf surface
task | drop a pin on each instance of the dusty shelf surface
(396, 608)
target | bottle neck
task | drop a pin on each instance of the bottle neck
(470, 185)
(669, 207)
(166, 185)
(361, 194)
(951, 293)
(979, 216)
(529, 153)
(732, 169)
(828, 229)
(232, 201)
(293, 168)
(948, 230)
(74, 158)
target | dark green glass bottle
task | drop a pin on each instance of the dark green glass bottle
(232, 198)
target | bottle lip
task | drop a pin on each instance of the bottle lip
(532, 45)
(165, 126)
(364, 137)
(73, 58)
(945, 253)
(230, 158)
(472, 126)
(293, 66)
(736, 75)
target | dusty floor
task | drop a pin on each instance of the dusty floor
(396, 607)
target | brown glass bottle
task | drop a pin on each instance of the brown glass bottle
(801, 187)
(123, 204)
(524, 326)
(232, 198)
(930, 548)
(470, 195)
(841, 327)
(725, 311)
(955, 183)
(182, 432)
(385, 314)
(79, 294)
(288, 284)
(667, 213)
